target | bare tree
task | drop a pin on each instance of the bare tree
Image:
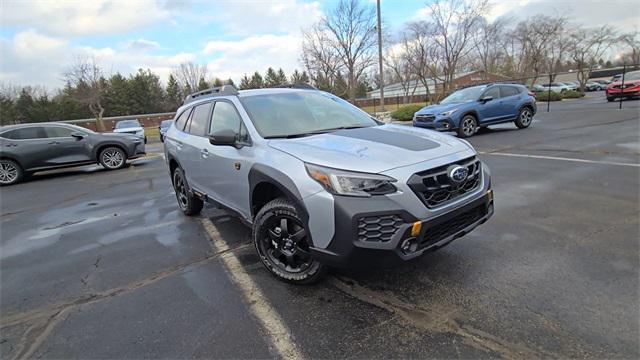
(352, 35)
(189, 75)
(587, 47)
(489, 51)
(397, 60)
(89, 86)
(632, 41)
(454, 23)
(420, 49)
(319, 57)
(537, 35)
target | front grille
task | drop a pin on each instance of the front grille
(378, 228)
(435, 188)
(425, 117)
(450, 227)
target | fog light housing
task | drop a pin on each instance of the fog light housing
(409, 245)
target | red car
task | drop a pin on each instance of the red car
(630, 88)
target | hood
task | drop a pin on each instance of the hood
(439, 108)
(128, 130)
(372, 149)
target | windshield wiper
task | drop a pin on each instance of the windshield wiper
(316, 132)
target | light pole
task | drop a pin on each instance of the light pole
(380, 59)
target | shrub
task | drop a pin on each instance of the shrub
(572, 94)
(405, 113)
(544, 96)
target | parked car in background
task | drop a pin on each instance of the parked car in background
(470, 108)
(536, 88)
(28, 148)
(163, 127)
(556, 87)
(616, 77)
(130, 127)
(593, 86)
(630, 88)
(603, 82)
(571, 85)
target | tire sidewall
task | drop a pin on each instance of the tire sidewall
(20, 173)
(124, 157)
(518, 121)
(275, 208)
(194, 205)
(460, 127)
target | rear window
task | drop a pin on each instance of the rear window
(508, 91)
(200, 119)
(57, 131)
(182, 120)
(32, 132)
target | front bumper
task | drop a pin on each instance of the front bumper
(618, 93)
(138, 151)
(350, 248)
(438, 124)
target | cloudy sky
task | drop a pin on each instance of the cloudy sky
(39, 39)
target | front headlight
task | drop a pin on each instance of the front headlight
(448, 113)
(341, 182)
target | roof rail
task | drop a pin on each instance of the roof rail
(215, 91)
(298, 86)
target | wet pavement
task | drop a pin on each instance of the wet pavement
(99, 264)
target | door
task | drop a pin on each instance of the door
(64, 148)
(190, 153)
(510, 97)
(225, 169)
(29, 145)
(490, 111)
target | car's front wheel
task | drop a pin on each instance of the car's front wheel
(283, 244)
(468, 126)
(10, 172)
(525, 117)
(113, 158)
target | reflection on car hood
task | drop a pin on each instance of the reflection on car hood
(438, 108)
(372, 149)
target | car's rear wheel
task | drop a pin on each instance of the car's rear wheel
(610, 99)
(113, 158)
(525, 117)
(10, 172)
(283, 243)
(187, 201)
(468, 126)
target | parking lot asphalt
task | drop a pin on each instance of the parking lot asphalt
(99, 264)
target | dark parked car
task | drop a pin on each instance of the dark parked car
(28, 148)
(164, 126)
(468, 109)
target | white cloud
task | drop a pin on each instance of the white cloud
(81, 17)
(30, 58)
(232, 59)
(142, 45)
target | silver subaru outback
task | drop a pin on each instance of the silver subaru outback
(321, 182)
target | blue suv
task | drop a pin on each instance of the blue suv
(470, 108)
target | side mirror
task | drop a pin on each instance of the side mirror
(78, 135)
(223, 137)
(484, 99)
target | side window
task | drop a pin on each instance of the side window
(225, 116)
(508, 91)
(32, 132)
(243, 135)
(57, 131)
(182, 119)
(494, 92)
(200, 119)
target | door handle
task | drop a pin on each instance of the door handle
(54, 143)
(205, 153)
(11, 145)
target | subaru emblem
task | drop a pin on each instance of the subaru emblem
(457, 173)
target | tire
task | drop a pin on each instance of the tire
(281, 241)
(161, 138)
(145, 139)
(525, 117)
(113, 158)
(187, 202)
(10, 172)
(610, 99)
(468, 126)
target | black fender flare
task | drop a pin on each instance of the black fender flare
(98, 147)
(260, 173)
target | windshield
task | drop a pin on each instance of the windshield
(464, 95)
(303, 112)
(127, 124)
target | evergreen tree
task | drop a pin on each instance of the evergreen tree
(8, 112)
(203, 84)
(24, 105)
(281, 77)
(174, 96)
(256, 81)
(245, 82)
(271, 78)
(295, 77)
(304, 78)
(340, 87)
(118, 99)
(217, 82)
(229, 82)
